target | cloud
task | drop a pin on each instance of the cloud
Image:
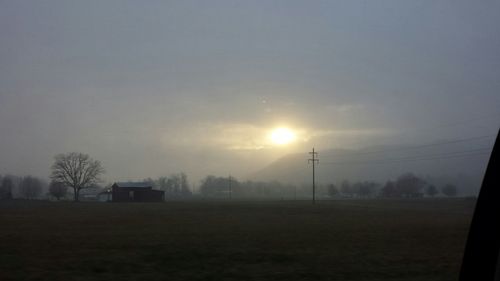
(174, 86)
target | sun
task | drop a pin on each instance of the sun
(282, 136)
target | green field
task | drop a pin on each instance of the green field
(279, 240)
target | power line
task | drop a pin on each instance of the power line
(463, 121)
(456, 154)
(493, 117)
(417, 146)
(433, 156)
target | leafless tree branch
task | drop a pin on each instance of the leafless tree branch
(76, 170)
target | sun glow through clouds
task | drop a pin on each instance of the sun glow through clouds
(282, 136)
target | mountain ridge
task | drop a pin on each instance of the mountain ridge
(461, 164)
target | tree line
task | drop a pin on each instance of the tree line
(175, 186)
(30, 187)
(407, 185)
(228, 187)
(78, 171)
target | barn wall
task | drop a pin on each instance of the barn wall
(149, 196)
(140, 195)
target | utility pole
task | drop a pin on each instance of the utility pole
(314, 161)
(230, 189)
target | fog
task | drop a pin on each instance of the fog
(150, 89)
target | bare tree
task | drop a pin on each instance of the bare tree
(409, 185)
(389, 190)
(366, 189)
(184, 185)
(345, 188)
(431, 190)
(332, 190)
(30, 187)
(6, 188)
(449, 190)
(76, 170)
(58, 190)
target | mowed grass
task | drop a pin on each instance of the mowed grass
(282, 240)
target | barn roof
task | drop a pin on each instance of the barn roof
(133, 184)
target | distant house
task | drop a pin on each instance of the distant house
(105, 196)
(135, 192)
(90, 193)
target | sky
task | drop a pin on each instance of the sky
(151, 88)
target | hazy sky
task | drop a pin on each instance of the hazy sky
(156, 87)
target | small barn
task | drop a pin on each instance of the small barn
(135, 192)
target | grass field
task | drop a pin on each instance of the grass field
(294, 240)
